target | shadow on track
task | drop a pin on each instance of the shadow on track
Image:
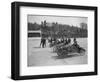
(37, 47)
(64, 56)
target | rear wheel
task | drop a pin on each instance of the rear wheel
(64, 53)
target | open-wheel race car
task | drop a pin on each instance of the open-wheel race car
(69, 49)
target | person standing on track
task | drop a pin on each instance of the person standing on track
(44, 43)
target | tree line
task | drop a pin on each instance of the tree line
(57, 30)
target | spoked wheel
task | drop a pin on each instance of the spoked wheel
(59, 52)
(64, 53)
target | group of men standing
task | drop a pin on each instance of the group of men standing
(43, 41)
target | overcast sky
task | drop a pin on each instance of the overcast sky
(75, 21)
